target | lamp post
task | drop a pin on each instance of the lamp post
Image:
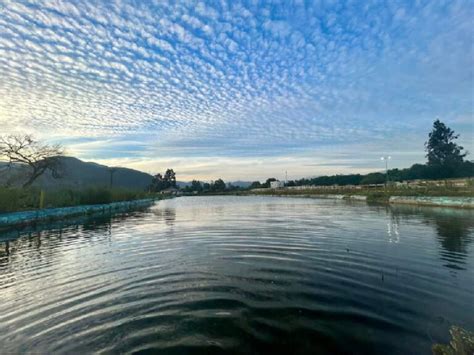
(386, 159)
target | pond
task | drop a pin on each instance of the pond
(242, 275)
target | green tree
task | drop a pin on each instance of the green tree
(255, 185)
(218, 185)
(441, 149)
(373, 178)
(267, 183)
(160, 182)
(196, 186)
(170, 178)
(157, 183)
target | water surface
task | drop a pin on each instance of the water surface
(240, 274)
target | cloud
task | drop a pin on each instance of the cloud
(235, 79)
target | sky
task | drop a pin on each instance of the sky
(240, 90)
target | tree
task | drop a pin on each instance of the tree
(373, 178)
(26, 150)
(218, 185)
(161, 182)
(196, 186)
(267, 183)
(157, 183)
(255, 185)
(170, 178)
(441, 149)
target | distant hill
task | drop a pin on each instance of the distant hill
(79, 174)
(243, 184)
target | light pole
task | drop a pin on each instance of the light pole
(386, 159)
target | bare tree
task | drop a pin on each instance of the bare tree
(25, 149)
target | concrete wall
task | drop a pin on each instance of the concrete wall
(28, 217)
(445, 201)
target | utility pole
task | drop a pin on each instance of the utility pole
(112, 172)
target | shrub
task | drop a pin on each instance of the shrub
(20, 199)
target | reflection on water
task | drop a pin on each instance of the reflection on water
(454, 229)
(166, 214)
(392, 228)
(240, 274)
(32, 238)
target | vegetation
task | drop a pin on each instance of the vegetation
(160, 182)
(21, 199)
(218, 186)
(462, 343)
(258, 185)
(38, 157)
(416, 171)
(441, 148)
(445, 160)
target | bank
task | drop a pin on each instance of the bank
(25, 218)
(381, 197)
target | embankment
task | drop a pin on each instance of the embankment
(440, 201)
(51, 214)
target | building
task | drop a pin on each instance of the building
(277, 184)
(170, 191)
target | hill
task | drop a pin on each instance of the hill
(79, 174)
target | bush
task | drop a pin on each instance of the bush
(19, 199)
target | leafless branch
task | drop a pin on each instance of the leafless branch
(25, 149)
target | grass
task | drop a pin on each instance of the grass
(19, 199)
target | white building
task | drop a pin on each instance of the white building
(276, 184)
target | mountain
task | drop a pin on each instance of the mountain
(182, 184)
(79, 174)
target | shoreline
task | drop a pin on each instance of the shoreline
(25, 218)
(429, 201)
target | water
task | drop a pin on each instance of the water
(240, 274)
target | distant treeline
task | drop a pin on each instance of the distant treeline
(416, 171)
(445, 160)
(213, 187)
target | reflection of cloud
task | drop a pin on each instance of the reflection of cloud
(232, 79)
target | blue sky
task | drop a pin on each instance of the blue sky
(239, 90)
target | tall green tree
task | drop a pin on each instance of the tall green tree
(161, 182)
(170, 178)
(218, 185)
(441, 148)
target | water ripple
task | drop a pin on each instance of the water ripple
(239, 274)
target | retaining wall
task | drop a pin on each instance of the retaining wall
(29, 217)
(443, 201)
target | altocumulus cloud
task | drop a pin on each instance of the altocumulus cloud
(315, 87)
